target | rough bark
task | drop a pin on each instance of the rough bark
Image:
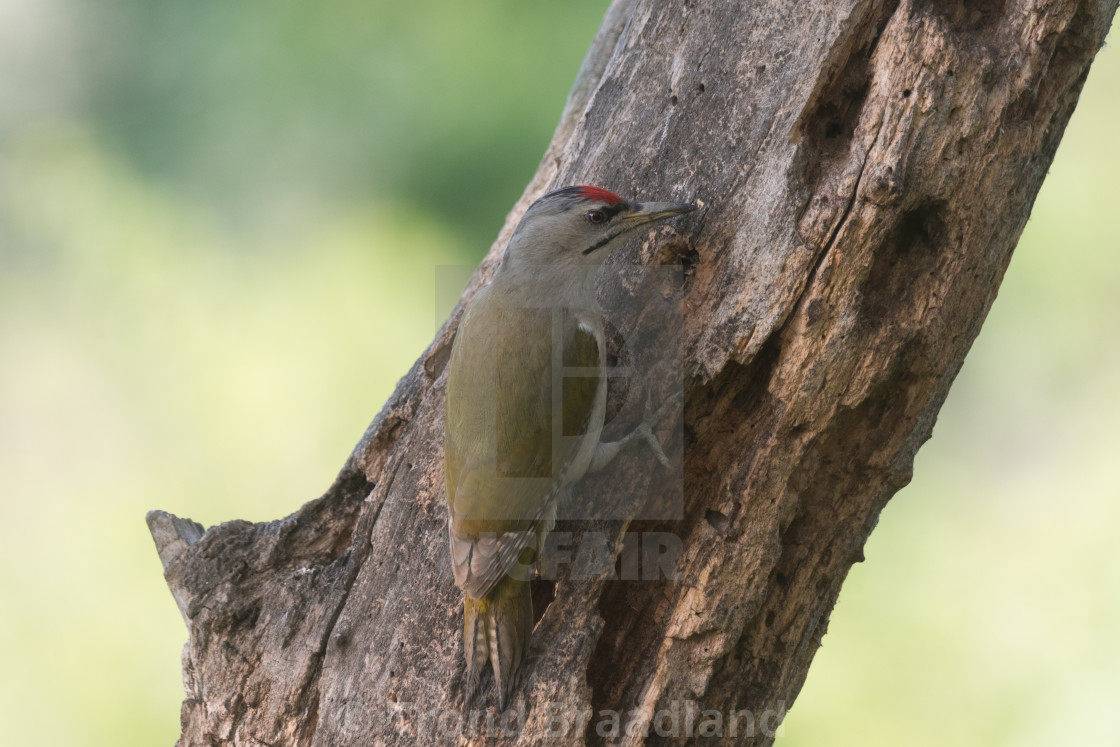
(866, 168)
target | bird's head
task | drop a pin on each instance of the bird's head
(581, 225)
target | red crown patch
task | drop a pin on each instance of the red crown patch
(598, 193)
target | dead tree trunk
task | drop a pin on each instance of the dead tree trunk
(866, 168)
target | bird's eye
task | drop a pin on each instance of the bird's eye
(595, 216)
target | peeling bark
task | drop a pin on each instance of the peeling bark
(866, 168)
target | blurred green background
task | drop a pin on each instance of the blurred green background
(219, 224)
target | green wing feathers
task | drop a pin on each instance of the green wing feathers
(517, 407)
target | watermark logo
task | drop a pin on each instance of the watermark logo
(679, 719)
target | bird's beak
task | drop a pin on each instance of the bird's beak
(647, 212)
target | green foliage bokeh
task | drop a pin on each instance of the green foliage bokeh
(219, 224)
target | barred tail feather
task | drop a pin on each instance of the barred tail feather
(497, 628)
(476, 649)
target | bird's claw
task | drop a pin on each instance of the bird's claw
(654, 416)
(651, 418)
(647, 433)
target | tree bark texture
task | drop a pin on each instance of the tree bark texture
(865, 168)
